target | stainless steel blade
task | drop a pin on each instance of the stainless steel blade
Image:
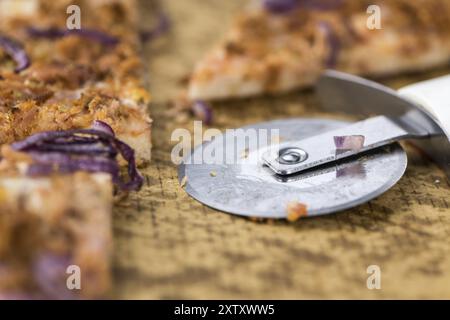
(342, 92)
(339, 90)
(321, 149)
(256, 191)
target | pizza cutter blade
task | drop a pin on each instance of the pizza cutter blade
(401, 119)
(253, 190)
(420, 110)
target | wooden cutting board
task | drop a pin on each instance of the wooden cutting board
(169, 246)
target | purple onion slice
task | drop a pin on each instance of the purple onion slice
(333, 43)
(163, 26)
(16, 51)
(46, 163)
(79, 148)
(286, 6)
(280, 6)
(203, 111)
(353, 143)
(102, 126)
(91, 150)
(55, 33)
(49, 33)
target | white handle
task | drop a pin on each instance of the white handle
(434, 96)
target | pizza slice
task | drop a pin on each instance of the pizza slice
(73, 124)
(55, 211)
(277, 46)
(69, 78)
(52, 227)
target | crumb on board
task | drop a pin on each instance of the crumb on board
(183, 182)
(213, 173)
(296, 210)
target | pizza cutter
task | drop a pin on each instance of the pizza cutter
(308, 167)
(420, 110)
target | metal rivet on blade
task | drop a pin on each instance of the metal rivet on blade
(292, 156)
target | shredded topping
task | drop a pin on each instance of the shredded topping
(16, 51)
(91, 150)
(161, 28)
(55, 33)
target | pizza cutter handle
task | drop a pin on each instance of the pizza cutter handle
(434, 97)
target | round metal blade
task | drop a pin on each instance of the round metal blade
(253, 190)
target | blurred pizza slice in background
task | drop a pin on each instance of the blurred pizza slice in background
(276, 46)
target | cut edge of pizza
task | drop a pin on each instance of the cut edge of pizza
(270, 52)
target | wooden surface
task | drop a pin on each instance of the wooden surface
(169, 246)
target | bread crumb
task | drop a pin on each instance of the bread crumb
(296, 210)
(183, 182)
